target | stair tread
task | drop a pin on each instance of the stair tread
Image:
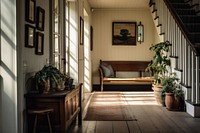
(193, 24)
(189, 15)
(193, 103)
(186, 9)
(195, 33)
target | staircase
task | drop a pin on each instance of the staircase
(178, 21)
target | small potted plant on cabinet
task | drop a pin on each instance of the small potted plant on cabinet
(49, 76)
(172, 92)
(158, 67)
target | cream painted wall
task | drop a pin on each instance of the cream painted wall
(102, 47)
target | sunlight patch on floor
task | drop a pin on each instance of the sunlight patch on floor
(140, 98)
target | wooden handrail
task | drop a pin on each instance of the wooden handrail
(181, 26)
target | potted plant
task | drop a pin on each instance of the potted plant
(172, 92)
(49, 76)
(158, 67)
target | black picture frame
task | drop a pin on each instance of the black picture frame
(91, 38)
(29, 36)
(30, 11)
(81, 31)
(40, 18)
(39, 47)
(124, 33)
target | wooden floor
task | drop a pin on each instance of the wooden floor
(151, 118)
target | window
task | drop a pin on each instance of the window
(56, 34)
(65, 37)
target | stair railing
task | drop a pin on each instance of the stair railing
(172, 29)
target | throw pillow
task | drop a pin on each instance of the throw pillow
(111, 71)
(107, 71)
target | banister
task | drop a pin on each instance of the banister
(181, 26)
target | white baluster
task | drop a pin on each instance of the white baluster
(197, 80)
(193, 79)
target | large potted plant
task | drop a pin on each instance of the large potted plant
(172, 92)
(158, 67)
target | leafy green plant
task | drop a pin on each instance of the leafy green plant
(160, 62)
(171, 85)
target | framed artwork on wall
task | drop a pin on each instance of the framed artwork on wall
(81, 31)
(40, 18)
(39, 47)
(30, 11)
(124, 33)
(91, 38)
(29, 36)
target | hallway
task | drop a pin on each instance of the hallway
(151, 118)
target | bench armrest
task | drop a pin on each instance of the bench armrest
(101, 77)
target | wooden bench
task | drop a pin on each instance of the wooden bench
(124, 66)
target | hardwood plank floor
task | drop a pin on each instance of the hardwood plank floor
(151, 118)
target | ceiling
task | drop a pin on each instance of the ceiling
(100, 4)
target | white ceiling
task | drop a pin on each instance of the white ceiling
(98, 4)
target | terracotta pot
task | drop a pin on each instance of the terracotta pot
(169, 101)
(157, 93)
(176, 105)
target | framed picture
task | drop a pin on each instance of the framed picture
(40, 18)
(91, 38)
(39, 48)
(29, 36)
(124, 33)
(81, 31)
(30, 11)
(140, 32)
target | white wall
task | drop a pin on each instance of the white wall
(103, 49)
(8, 67)
(28, 61)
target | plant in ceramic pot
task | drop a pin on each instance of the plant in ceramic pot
(172, 92)
(52, 76)
(158, 67)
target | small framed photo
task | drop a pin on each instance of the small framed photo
(40, 18)
(29, 36)
(30, 11)
(39, 47)
(81, 31)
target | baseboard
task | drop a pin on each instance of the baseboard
(118, 87)
(192, 109)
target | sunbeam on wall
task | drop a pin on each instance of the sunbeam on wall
(73, 43)
(87, 76)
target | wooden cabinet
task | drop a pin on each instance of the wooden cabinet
(66, 105)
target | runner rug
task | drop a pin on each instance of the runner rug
(108, 106)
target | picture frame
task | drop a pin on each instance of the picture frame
(39, 47)
(140, 32)
(29, 36)
(40, 18)
(30, 11)
(124, 33)
(91, 38)
(81, 31)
